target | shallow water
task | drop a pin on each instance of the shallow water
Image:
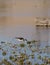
(9, 49)
(21, 24)
(8, 34)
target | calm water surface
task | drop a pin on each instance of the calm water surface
(10, 30)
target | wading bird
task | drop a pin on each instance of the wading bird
(21, 39)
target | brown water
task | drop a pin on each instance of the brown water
(17, 18)
(10, 30)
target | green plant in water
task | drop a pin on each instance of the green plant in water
(15, 55)
(1, 63)
(20, 61)
(46, 46)
(29, 63)
(33, 50)
(12, 58)
(22, 45)
(33, 41)
(4, 53)
(45, 60)
(29, 42)
(14, 52)
(32, 56)
(39, 57)
(36, 64)
(42, 64)
(5, 62)
(24, 56)
(48, 60)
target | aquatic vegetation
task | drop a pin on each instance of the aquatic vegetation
(24, 56)
(42, 64)
(28, 62)
(32, 56)
(4, 53)
(33, 50)
(0, 48)
(20, 61)
(22, 45)
(48, 60)
(34, 41)
(14, 52)
(39, 57)
(36, 64)
(5, 62)
(29, 42)
(11, 55)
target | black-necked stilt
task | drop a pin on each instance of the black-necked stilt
(20, 39)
